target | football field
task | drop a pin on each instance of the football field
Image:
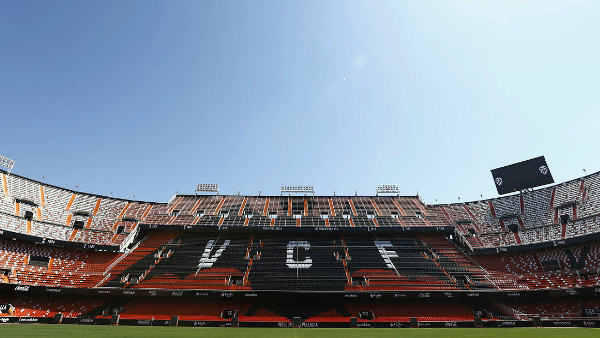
(37, 330)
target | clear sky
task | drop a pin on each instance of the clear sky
(152, 97)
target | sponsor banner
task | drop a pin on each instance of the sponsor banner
(161, 322)
(35, 320)
(327, 324)
(558, 323)
(588, 323)
(95, 321)
(86, 321)
(260, 229)
(54, 290)
(398, 324)
(259, 324)
(199, 323)
(507, 323)
(571, 323)
(342, 295)
(9, 320)
(450, 324)
(136, 322)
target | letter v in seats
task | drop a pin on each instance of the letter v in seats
(386, 254)
(207, 260)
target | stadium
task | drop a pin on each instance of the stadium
(300, 260)
(299, 168)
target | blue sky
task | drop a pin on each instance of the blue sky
(152, 97)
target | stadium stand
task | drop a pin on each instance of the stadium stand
(314, 259)
(559, 212)
(49, 306)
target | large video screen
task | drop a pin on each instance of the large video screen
(522, 175)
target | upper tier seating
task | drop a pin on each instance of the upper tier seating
(55, 211)
(108, 221)
(535, 216)
(566, 210)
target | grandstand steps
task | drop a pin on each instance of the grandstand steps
(73, 234)
(376, 208)
(331, 208)
(426, 221)
(116, 225)
(492, 209)
(349, 283)
(140, 258)
(266, 207)
(219, 206)
(400, 222)
(522, 226)
(147, 212)
(88, 223)
(4, 186)
(305, 207)
(171, 219)
(502, 226)
(96, 207)
(122, 213)
(241, 212)
(420, 206)
(114, 238)
(196, 205)
(174, 205)
(518, 238)
(400, 209)
(106, 309)
(70, 203)
(352, 207)
(522, 204)
(247, 273)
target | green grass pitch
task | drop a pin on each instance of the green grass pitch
(40, 330)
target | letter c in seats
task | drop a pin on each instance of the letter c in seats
(297, 264)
